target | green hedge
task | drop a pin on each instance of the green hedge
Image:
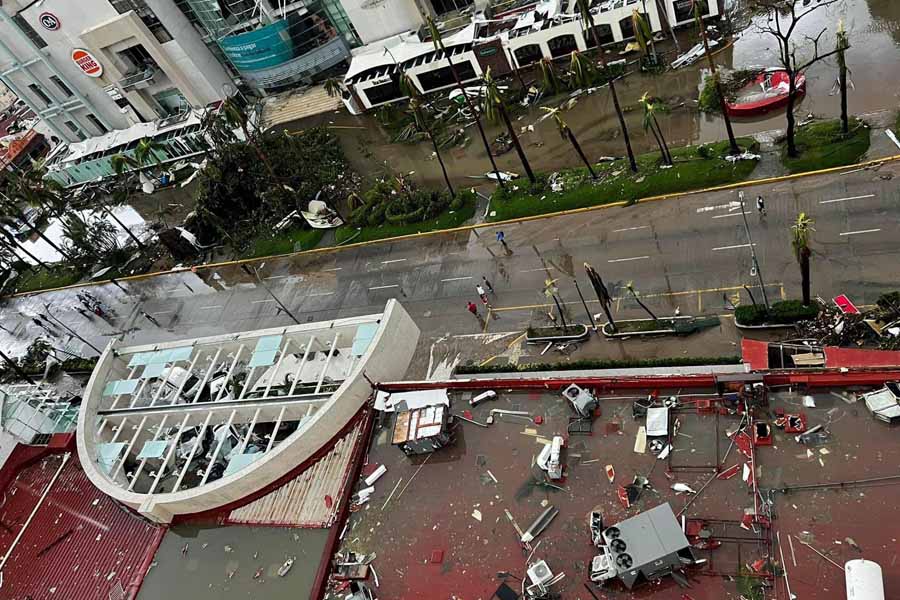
(577, 365)
(780, 313)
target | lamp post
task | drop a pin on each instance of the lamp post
(762, 286)
(255, 273)
(70, 330)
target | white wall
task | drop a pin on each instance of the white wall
(378, 19)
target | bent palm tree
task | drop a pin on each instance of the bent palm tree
(438, 42)
(495, 106)
(9, 241)
(587, 20)
(333, 87)
(14, 210)
(843, 43)
(415, 104)
(800, 231)
(651, 108)
(550, 81)
(565, 132)
(698, 19)
(630, 287)
(583, 71)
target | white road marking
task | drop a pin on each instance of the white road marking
(845, 199)
(396, 260)
(163, 312)
(732, 247)
(533, 270)
(728, 215)
(457, 278)
(617, 260)
(383, 287)
(262, 301)
(334, 269)
(277, 277)
(733, 205)
(210, 307)
(323, 293)
(860, 232)
(631, 228)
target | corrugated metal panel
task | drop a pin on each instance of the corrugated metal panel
(301, 501)
(80, 543)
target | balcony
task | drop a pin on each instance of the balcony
(140, 79)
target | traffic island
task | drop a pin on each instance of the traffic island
(666, 326)
(570, 333)
(823, 145)
(781, 315)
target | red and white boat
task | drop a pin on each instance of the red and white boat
(768, 91)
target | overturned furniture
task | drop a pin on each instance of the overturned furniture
(884, 404)
(643, 548)
(422, 421)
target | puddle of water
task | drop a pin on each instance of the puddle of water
(874, 29)
(202, 573)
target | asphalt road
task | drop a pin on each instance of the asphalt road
(685, 252)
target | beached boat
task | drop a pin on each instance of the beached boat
(766, 92)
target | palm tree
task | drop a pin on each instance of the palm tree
(438, 42)
(10, 242)
(14, 210)
(565, 132)
(495, 106)
(800, 231)
(714, 73)
(843, 43)
(550, 81)
(582, 69)
(333, 87)
(587, 20)
(146, 150)
(630, 287)
(415, 104)
(643, 36)
(651, 108)
(235, 116)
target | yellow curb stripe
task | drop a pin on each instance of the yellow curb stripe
(467, 228)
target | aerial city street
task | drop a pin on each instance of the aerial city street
(449, 299)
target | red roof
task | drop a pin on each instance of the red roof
(860, 358)
(80, 544)
(755, 353)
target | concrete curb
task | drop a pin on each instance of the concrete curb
(467, 228)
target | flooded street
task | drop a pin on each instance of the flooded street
(216, 553)
(874, 30)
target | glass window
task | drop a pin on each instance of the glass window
(96, 123)
(28, 30)
(62, 86)
(40, 93)
(562, 45)
(529, 54)
(74, 129)
(444, 77)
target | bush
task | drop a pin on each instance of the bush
(780, 313)
(636, 363)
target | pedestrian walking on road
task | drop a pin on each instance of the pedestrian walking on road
(150, 318)
(501, 237)
(473, 308)
(761, 206)
(482, 295)
(487, 284)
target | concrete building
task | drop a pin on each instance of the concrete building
(191, 426)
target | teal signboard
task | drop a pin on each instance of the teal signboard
(263, 48)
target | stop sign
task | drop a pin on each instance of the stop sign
(87, 63)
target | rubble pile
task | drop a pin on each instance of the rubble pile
(877, 327)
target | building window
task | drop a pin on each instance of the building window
(28, 30)
(562, 45)
(136, 57)
(146, 15)
(37, 91)
(443, 77)
(74, 129)
(529, 54)
(604, 32)
(62, 86)
(96, 123)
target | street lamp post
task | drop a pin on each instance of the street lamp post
(583, 303)
(70, 330)
(762, 286)
(255, 273)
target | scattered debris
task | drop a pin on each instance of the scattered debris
(682, 488)
(286, 566)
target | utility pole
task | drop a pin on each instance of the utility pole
(15, 367)
(255, 273)
(762, 286)
(583, 303)
(70, 330)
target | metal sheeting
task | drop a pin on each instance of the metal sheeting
(300, 502)
(80, 545)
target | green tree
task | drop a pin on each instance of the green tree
(423, 123)
(565, 132)
(587, 20)
(584, 74)
(550, 81)
(651, 109)
(699, 7)
(333, 87)
(494, 106)
(92, 241)
(438, 42)
(800, 231)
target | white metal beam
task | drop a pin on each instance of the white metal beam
(212, 457)
(302, 362)
(162, 467)
(334, 342)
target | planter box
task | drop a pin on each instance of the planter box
(765, 327)
(670, 326)
(581, 333)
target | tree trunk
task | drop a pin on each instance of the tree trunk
(791, 121)
(644, 306)
(804, 274)
(437, 151)
(615, 97)
(845, 120)
(662, 152)
(661, 10)
(577, 147)
(667, 155)
(732, 141)
(34, 230)
(515, 140)
(130, 233)
(562, 317)
(17, 246)
(471, 107)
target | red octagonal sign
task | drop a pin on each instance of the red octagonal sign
(87, 63)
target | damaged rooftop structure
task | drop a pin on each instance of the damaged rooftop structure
(189, 426)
